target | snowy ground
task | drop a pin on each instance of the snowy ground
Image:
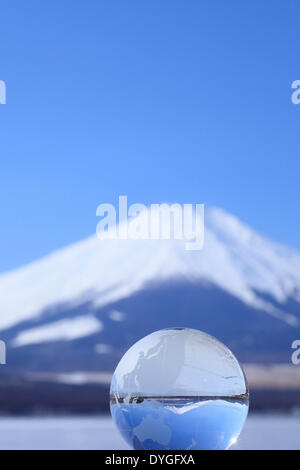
(260, 432)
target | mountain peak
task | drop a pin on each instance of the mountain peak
(234, 257)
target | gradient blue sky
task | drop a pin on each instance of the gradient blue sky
(162, 100)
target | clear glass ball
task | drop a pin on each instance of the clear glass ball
(179, 389)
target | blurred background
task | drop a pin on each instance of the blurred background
(162, 101)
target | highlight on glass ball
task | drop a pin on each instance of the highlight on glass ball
(179, 389)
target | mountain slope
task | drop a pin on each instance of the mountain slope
(234, 258)
(81, 307)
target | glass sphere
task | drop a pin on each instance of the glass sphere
(179, 389)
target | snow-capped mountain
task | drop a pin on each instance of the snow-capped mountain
(80, 307)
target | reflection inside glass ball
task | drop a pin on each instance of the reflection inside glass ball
(179, 389)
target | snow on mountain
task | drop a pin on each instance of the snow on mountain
(235, 258)
(62, 330)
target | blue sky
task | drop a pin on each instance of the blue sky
(161, 100)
